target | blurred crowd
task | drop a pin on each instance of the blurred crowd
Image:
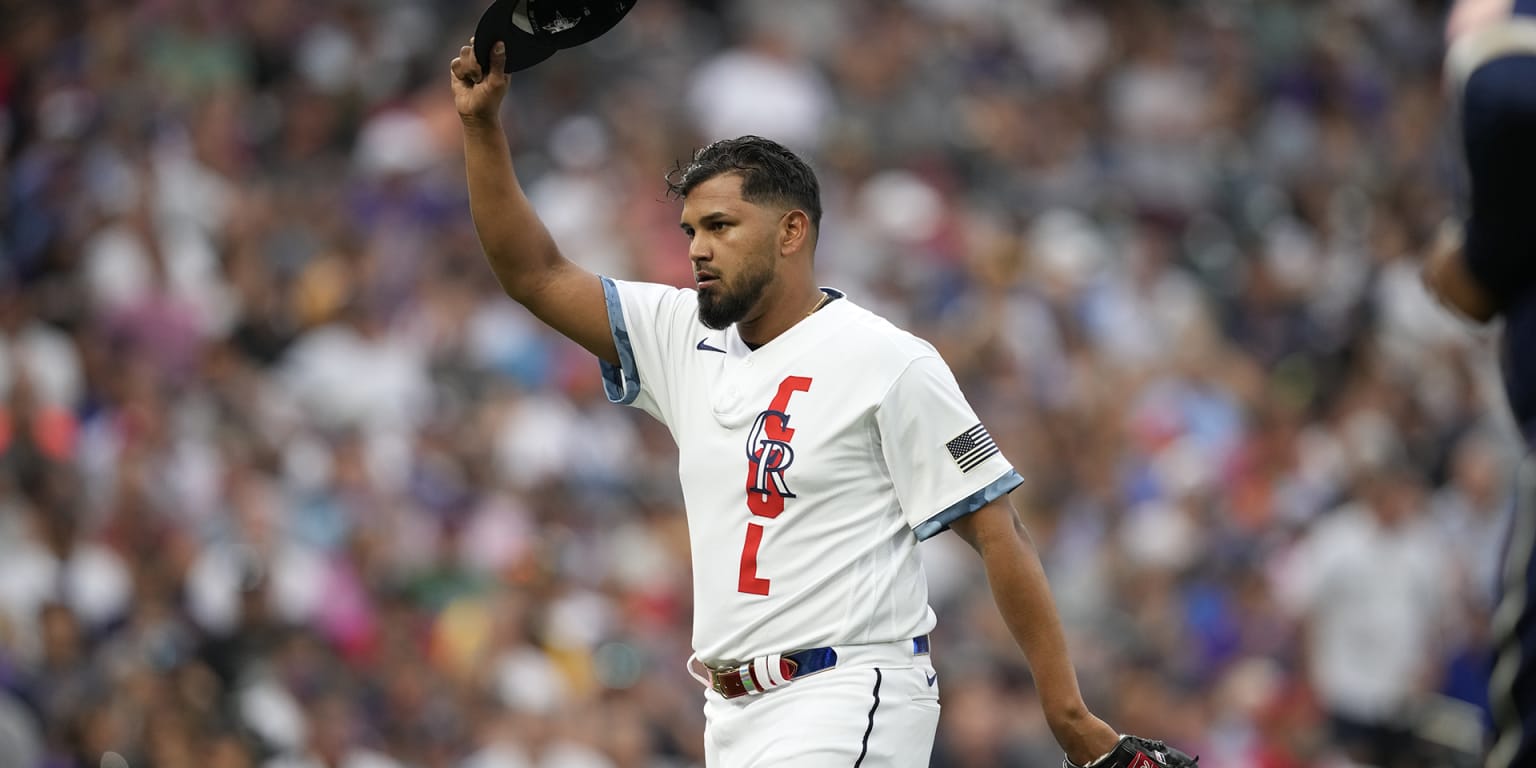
(286, 482)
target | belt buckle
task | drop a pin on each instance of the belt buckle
(715, 676)
(747, 681)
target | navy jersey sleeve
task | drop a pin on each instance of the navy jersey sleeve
(1498, 126)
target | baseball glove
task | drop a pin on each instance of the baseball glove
(1136, 752)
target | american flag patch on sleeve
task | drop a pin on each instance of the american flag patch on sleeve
(971, 447)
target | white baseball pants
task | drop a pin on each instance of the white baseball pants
(878, 708)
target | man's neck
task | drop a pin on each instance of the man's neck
(781, 315)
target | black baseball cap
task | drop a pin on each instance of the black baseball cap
(534, 29)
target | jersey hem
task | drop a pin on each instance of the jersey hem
(994, 490)
(621, 383)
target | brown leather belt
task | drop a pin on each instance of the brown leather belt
(764, 673)
(743, 680)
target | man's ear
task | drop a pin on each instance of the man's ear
(794, 232)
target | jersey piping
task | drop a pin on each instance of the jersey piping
(620, 382)
(939, 523)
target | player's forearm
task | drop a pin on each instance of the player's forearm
(518, 247)
(1023, 596)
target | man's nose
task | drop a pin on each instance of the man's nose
(698, 251)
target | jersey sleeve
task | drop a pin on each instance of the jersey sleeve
(942, 461)
(648, 322)
(1498, 118)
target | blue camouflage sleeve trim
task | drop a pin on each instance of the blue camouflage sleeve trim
(620, 382)
(939, 523)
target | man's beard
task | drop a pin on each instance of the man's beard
(725, 305)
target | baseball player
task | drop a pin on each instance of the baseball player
(1488, 270)
(818, 444)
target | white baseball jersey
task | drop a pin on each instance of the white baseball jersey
(811, 467)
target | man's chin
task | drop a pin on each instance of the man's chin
(714, 316)
(714, 323)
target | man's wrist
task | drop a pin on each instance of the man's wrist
(480, 124)
(1066, 715)
(1083, 736)
(1089, 761)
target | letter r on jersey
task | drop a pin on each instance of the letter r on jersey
(769, 453)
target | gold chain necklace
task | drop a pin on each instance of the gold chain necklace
(825, 297)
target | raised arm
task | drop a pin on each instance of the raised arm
(521, 252)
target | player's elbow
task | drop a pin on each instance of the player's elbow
(994, 525)
(529, 279)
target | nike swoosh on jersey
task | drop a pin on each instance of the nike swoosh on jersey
(704, 345)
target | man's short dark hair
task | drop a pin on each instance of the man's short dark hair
(770, 173)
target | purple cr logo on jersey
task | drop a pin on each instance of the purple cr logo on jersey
(769, 457)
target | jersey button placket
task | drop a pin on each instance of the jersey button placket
(729, 399)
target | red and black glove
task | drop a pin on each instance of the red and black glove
(1136, 752)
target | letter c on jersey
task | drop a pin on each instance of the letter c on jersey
(768, 457)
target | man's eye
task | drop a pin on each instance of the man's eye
(716, 226)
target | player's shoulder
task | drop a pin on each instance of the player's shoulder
(874, 342)
(642, 300)
(645, 292)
